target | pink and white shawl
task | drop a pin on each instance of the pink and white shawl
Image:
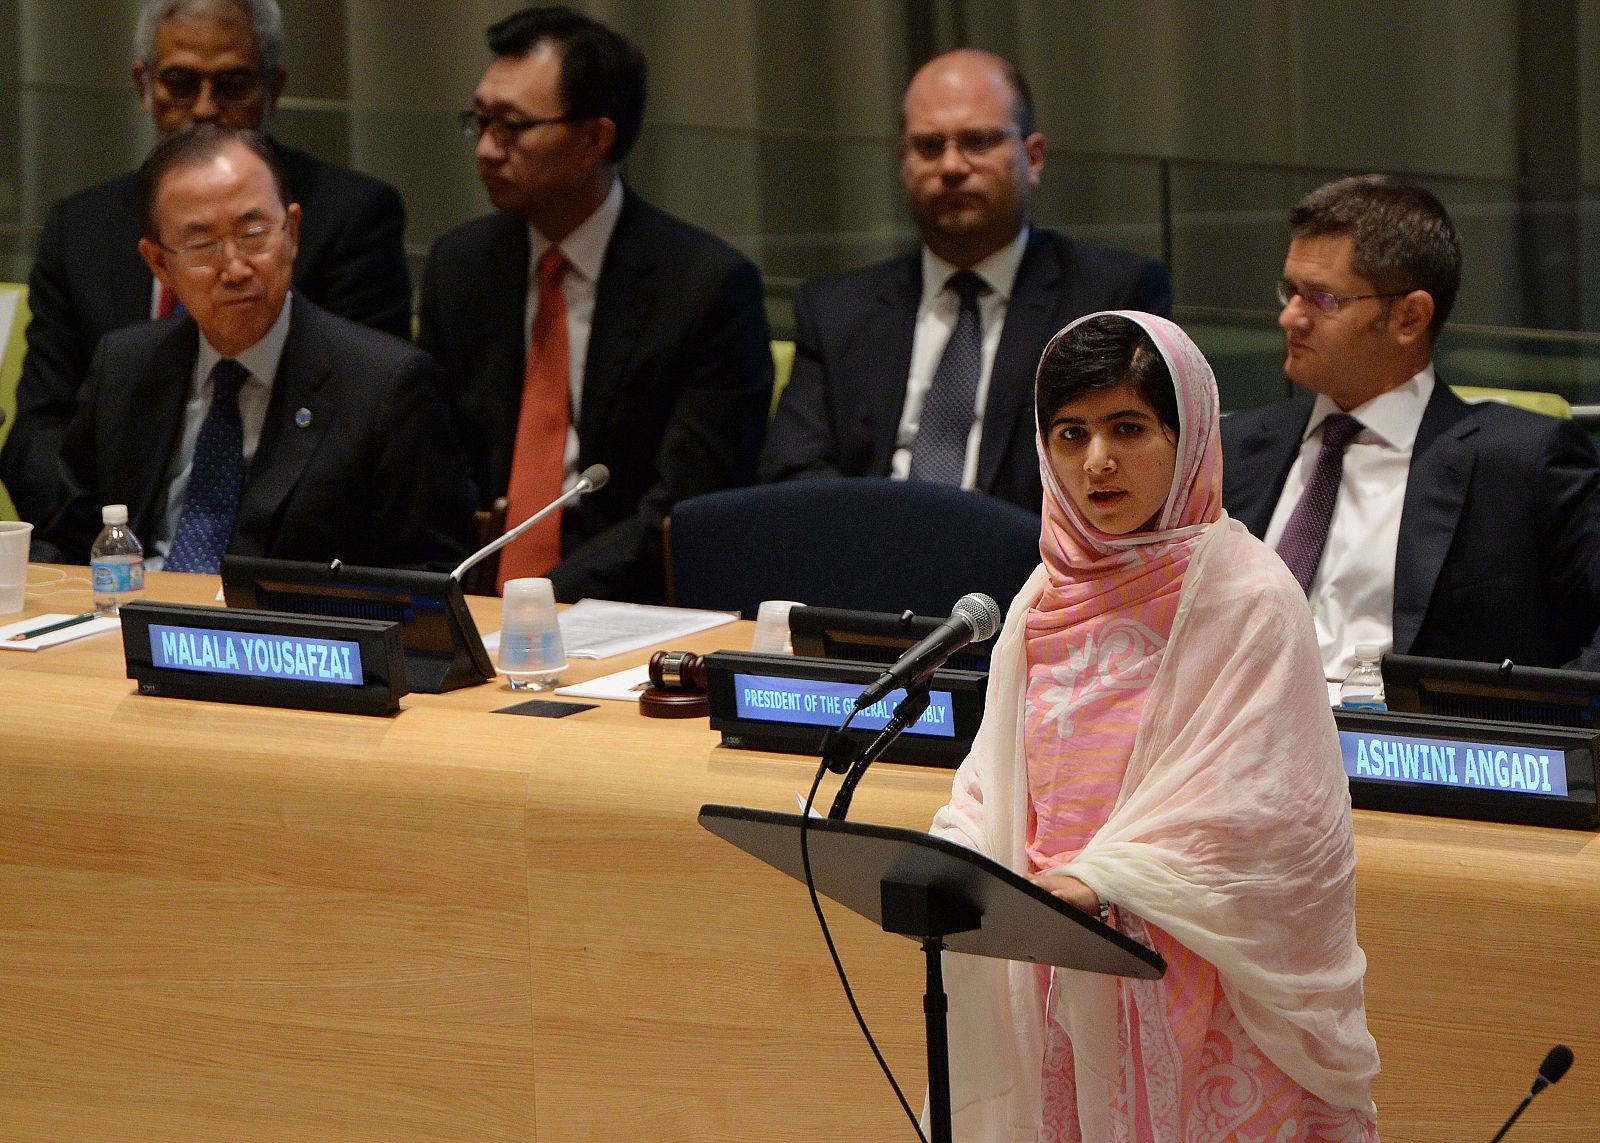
(1231, 831)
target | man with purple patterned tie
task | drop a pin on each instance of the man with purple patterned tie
(1413, 520)
(253, 422)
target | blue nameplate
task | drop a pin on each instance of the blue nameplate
(265, 658)
(787, 703)
(1459, 767)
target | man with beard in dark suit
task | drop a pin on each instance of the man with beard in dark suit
(581, 325)
(922, 367)
(1414, 521)
(198, 61)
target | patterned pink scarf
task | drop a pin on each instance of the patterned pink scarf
(1096, 635)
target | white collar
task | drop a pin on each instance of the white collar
(261, 359)
(998, 270)
(585, 247)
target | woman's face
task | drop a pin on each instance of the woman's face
(1114, 457)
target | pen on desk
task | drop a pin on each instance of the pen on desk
(49, 627)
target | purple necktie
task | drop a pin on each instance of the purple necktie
(1306, 533)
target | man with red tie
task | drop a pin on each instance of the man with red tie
(581, 325)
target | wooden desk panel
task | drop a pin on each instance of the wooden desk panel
(245, 923)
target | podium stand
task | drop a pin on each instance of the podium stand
(942, 895)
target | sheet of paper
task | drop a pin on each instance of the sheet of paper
(623, 686)
(8, 314)
(598, 628)
(65, 635)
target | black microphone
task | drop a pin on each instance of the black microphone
(593, 477)
(973, 619)
(1556, 1062)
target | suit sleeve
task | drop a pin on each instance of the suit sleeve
(711, 442)
(52, 373)
(363, 275)
(419, 511)
(1569, 510)
(1151, 290)
(801, 441)
(66, 536)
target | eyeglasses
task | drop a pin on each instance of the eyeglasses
(972, 144)
(505, 132)
(1324, 302)
(182, 85)
(206, 256)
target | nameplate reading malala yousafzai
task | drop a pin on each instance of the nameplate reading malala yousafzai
(1460, 767)
(266, 658)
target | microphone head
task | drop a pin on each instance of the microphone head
(596, 475)
(981, 612)
(1556, 1062)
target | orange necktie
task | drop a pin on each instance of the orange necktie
(539, 461)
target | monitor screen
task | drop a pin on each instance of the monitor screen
(443, 650)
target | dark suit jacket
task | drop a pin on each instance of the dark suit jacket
(676, 384)
(840, 412)
(372, 478)
(88, 280)
(1499, 553)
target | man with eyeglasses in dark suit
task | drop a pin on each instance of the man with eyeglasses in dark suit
(253, 422)
(581, 325)
(922, 367)
(1415, 522)
(197, 61)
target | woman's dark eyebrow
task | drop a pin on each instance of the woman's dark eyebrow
(1069, 419)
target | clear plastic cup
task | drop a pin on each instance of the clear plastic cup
(772, 627)
(14, 538)
(531, 653)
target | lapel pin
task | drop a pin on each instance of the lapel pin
(302, 418)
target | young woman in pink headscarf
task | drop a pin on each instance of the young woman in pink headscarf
(1157, 748)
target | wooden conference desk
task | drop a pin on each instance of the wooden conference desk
(224, 922)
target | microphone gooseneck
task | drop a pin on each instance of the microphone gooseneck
(1556, 1062)
(593, 477)
(974, 618)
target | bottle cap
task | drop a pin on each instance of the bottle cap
(1369, 651)
(114, 514)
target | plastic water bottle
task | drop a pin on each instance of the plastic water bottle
(1363, 686)
(116, 562)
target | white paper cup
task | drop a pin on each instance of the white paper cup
(772, 627)
(15, 535)
(532, 656)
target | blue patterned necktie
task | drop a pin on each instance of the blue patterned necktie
(215, 478)
(1306, 533)
(939, 453)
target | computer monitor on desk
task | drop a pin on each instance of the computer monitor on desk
(1501, 692)
(443, 650)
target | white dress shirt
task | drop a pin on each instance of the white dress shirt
(585, 250)
(1352, 593)
(936, 320)
(261, 361)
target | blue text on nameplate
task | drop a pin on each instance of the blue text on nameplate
(1457, 763)
(219, 652)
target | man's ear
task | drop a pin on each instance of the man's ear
(1410, 316)
(156, 258)
(141, 84)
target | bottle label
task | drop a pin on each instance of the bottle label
(1363, 704)
(118, 578)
